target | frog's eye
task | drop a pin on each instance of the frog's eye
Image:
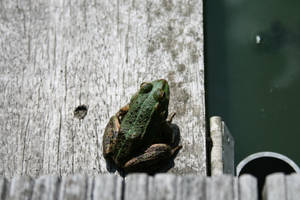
(146, 87)
(159, 95)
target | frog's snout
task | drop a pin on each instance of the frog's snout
(164, 82)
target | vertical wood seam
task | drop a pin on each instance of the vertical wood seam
(24, 145)
(122, 188)
(58, 142)
(97, 146)
(54, 48)
(285, 187)
(66, 81)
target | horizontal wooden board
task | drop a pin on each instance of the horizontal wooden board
(135, 186)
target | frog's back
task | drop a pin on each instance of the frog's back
(143, 107)
(137, 119)
(141, 118)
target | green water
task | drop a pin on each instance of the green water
(252, 56)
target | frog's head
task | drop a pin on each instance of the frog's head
(161, 92)
(158, 95)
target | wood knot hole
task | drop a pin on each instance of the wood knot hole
(80, 111)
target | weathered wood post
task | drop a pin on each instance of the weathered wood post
(222, 150)
(58, 55)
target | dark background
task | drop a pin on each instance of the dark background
(252, 57)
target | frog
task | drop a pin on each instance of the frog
(139, 137)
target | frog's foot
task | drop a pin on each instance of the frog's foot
(171, 118)
(150, 159)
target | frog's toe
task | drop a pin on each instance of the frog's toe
(171, 117)
(176, 149)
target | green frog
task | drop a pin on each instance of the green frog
(139, 137)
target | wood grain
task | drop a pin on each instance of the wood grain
(57, 55)
(165, 186)
(275, 187)
(136, 187)
(46, 188)
(213, 185)
(293, 186)
(108, 187)
(21, 188)
(191, 187)
(247, 187)
(73, 188)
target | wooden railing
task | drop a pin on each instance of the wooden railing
(143, 187)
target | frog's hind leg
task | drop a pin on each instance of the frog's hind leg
(151, 158)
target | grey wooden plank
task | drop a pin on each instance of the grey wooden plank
(247, 185)
(107, 187)
(293, 186)
(90, 188)
(222, 150)
(136, 187)
(236, 188)
(275, 187)
(56, 55)
(191, 187)
(220, 187)
(46, 188)
(21, 188)
(3, 188)
(151, 188)
(216, 153)
(73, 187)
(162, 187)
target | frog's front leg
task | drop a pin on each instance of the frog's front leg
(111, 132)
(151, 158)
(169, 135)
(122, 112)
